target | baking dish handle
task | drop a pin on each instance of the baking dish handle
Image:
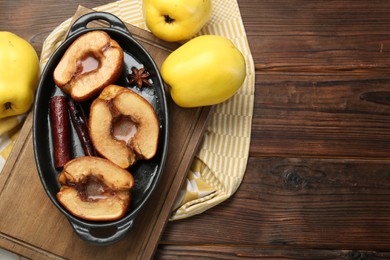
(82, 22)
(103, 235)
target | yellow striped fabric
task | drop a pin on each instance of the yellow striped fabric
(9, 130)
(219, 165)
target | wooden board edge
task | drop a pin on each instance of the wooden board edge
(18, 146)
(23, 249)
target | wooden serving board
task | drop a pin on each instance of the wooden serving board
(32, 226)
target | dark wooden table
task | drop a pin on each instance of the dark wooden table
(317, 184)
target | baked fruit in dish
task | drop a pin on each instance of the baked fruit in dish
(92, 62)
(95, 189)
(123, 126)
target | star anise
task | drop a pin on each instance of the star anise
(139, 77)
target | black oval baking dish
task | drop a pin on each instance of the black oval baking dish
(146, 172)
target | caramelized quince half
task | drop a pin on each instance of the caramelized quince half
(92, 62)
(123, 126)
(95, 189)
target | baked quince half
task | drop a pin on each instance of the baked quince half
(123, 126)
(92, 62)
(95, 189)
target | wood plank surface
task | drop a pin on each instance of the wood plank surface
(252, 252)
(316, 186)
(299, 202)
(317, 180)
(321, 115)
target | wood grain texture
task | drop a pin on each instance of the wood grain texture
(313, 62)
(205, 252)
(298, 202)
(316, 185)
(317, 176)
(317, 36)
(321, 115)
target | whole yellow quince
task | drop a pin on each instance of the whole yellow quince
(176, 20)
(206, 70)
(19, 74)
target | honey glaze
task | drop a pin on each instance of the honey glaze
(92, 188)
(123, 129)
(87, 64)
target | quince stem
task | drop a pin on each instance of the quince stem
(168, 19)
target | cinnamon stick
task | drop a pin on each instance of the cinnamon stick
(80, 123)
(61, 132)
